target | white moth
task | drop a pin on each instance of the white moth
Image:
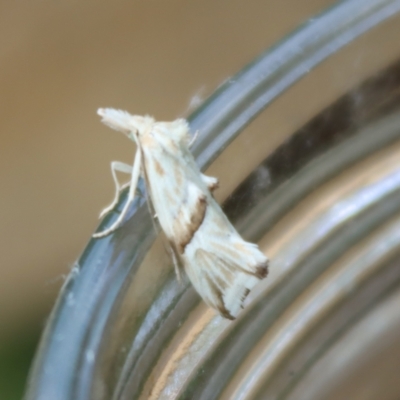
(222, 267)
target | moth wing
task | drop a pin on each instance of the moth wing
(224, 277)
(178, 196)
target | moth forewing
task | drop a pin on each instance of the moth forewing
(222, 267)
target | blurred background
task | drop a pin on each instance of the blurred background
(62, 60)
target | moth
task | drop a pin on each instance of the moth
(222, 267)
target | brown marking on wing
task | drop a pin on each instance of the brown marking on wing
(222, 282)
(217, 262)
(213, 186)
(217, 284)
(158, 168)
(245, 294)
(224, 312)
(221, 305)
(262, 270)
(186, 232)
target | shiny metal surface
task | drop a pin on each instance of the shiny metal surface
(315, 178)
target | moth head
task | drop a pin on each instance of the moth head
(124, 122)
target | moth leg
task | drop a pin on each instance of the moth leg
(117, 166)
(193, 139)
(131, 196)
(211, 182)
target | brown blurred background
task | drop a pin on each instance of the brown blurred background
(60, 61)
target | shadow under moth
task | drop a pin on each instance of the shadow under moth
(222, 267)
